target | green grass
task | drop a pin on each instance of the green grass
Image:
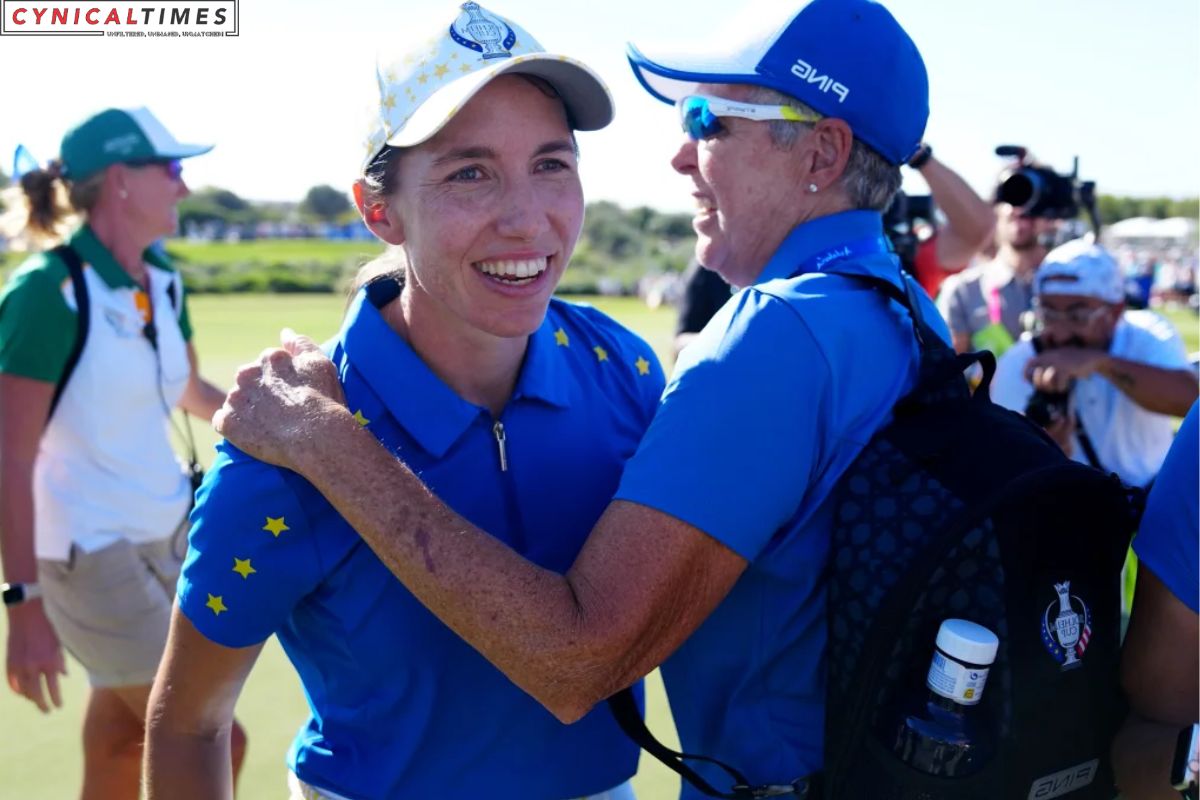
(1188, 324)
(40, 759)
(273, 251)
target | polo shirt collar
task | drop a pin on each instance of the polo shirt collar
(996, 275)
(93, 253)
(417, 398)
(544, 376)
(811, 238)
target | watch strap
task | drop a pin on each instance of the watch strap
(17, 593)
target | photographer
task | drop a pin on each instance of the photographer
(984, 305)
(1103, 382)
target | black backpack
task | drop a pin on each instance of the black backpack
(959, 508)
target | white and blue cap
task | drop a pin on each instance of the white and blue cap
(422, 88)
(1080, 268)
(847, 59)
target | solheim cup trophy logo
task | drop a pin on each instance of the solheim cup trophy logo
(483, 33)
(1066, 636)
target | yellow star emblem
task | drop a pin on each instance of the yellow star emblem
(242, 567)
(389, 102)
(391, 76)
(601, 353)
(360, 419)
(440, 70)
(561, 338)
(454, 55)
(643, 366)
(422, 78)
(217, 604)
(276, 526)
(465, 68)
(410, 58)
(369, 146)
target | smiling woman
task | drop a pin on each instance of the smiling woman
(455, 355)
(487, 228)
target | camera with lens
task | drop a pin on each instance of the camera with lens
(1039, 191)
(1046, 408)
(900, 225)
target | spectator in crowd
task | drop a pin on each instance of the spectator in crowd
(705, 562)
(92, 499)
(704, 292)
(1104, 381)
(969, 223)
(985, 305)
(518, 409)
(1160, 667)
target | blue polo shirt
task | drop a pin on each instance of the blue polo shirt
(766, 409)
(1168, 540)
(400, 705)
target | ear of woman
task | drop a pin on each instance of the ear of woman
(374, 211)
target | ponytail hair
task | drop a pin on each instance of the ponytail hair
(392, 263)
(45, 199)
(44, 206)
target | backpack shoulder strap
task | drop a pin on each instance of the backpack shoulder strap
(624, 708)
(82, 317)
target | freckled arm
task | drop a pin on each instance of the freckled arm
(642, 583)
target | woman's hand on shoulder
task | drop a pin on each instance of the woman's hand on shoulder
(280, 405)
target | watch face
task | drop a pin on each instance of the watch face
(1186, 765)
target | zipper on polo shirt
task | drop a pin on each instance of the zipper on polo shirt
(498, 432)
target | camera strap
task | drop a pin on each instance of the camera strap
(1085, 442)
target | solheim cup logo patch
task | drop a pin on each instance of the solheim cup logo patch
(478, 30)
(1067, 630)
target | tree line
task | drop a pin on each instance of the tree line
(1114, 209)
(618, 230)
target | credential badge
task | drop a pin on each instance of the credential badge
(482, 32)
(1066, 634)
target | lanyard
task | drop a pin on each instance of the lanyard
(876, 245)
(993, 304)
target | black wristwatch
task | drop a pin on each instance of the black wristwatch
(16, 593)
(922, 157)
(1183, 766)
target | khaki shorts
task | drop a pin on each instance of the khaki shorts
(111, 608)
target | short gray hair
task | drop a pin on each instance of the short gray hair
(870, 181)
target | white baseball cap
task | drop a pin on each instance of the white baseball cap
(1080, 267)
(426, 85)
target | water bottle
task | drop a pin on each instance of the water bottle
(942, 733)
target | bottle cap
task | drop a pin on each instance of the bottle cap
(967, 642)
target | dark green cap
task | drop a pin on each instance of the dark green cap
(120, 136)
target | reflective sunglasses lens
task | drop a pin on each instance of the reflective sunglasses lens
(175, 169)
(698, 120)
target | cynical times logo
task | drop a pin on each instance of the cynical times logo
(120, 18)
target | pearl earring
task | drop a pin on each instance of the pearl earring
(812, 188)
